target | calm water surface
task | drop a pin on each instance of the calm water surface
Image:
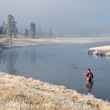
(63, 64)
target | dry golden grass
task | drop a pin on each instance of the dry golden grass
(20, 93)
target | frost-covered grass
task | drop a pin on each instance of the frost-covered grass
(100, 50)
(20, 93)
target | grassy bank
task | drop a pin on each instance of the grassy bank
(20, 93)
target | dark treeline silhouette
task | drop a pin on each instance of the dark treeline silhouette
(9, 27)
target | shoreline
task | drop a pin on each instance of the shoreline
(100, 51)
(30, 94)
(58, 40)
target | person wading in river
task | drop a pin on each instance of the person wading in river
(89, 80)
(89, 75)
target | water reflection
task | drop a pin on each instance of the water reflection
(33, 56)
(9, 60)
(89, 86)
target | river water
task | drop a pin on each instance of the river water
(62, 64)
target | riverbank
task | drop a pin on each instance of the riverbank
(20, 93)
(23, 41)
(100, 51)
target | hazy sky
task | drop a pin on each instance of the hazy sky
(64, 16)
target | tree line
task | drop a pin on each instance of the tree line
(9, 27)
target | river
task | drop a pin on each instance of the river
(62, 64)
